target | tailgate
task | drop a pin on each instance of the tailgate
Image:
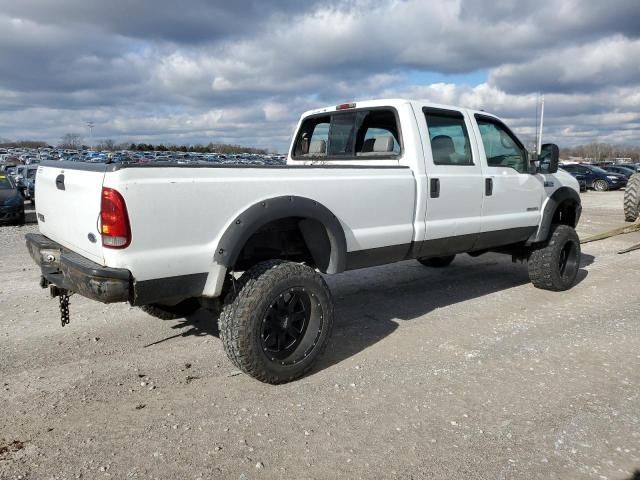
(68, 206)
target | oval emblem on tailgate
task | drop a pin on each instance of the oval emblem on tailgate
(92, 238)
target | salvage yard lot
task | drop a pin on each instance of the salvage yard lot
(466, 372)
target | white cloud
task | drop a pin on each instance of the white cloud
(243, 71)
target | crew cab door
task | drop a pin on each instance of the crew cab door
(512, 195)
(454, 176)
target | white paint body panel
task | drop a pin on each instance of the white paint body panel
(178, 214)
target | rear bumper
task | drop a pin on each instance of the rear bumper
(76, 273)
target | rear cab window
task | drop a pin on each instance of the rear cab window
(370, 133)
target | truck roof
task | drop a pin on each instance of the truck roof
(392, 102)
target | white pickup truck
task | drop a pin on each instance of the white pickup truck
(364, 184)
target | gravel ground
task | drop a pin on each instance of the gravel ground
(467, 372)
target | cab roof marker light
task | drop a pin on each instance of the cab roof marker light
(346, 106)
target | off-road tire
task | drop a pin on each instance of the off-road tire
(632, 198)
(172, 312)
(600, 186)
(437, 262)
(247, 307)
(545, 260)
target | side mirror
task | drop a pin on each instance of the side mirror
(549, 158)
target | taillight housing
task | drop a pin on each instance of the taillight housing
(114, 220)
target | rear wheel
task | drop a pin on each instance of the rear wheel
(276, 323)
(437, 262)
(632, 198)
(554, 265)
(172, 312)
(600, 186)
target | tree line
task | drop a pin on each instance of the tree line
(602, 151)
(74, 141)
(593, 151)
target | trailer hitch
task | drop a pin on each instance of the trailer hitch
(63, 297)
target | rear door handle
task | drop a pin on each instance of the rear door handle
(435, 188)
(488, 186)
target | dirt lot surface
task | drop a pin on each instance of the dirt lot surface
(466, 372)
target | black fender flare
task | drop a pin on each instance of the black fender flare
(557, 198)
(255, 217)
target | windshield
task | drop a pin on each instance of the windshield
(5, 183)
(598, 170)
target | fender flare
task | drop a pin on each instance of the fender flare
(561, 195)
(260, 214)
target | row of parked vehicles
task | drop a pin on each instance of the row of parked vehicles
(18, 168)
(601, 178)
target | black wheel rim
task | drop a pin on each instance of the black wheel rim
(568, 260)
(285, 324)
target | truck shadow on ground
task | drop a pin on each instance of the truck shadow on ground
(369, 303)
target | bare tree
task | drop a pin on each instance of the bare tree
(107, 144)
(71, 141)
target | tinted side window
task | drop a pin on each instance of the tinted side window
(501, 148)
(449, 138)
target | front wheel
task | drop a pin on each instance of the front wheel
(554, 265)
(277, 321)
(600, 186)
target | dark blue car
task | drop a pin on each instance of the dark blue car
(597, 178)
(626, 171)
(11, 201)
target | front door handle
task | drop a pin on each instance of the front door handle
(488, 186)
(435, 188)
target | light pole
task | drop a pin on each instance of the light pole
(91, 125)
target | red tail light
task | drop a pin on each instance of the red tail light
(114, 220)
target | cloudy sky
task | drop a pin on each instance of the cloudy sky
(242, 71)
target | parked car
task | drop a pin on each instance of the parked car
(598, 178)
(582, 181)
(11, 201)
(31, 190)
(361, 188)
(28, 183)
(627, 172)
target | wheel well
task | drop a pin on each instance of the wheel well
(566, 213)
(297, 239)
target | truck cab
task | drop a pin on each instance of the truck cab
(477, 186)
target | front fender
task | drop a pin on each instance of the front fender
(561, 195)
